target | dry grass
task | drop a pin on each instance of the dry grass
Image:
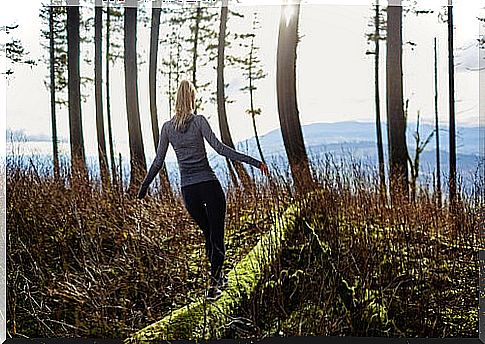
(82, 262)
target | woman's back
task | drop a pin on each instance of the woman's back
(189, 147)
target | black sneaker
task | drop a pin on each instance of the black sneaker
(213, 293)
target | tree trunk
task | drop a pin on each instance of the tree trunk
(398, 154)
(98, 80)
(170, 65)
(78, 162)
(257, 139)
(287, 102)
(221, 100)
(137, 153)
(108, 99)
(380, 147)
(451, 84)
(253, 115)
(414, 164)
(55, 150)
(437, 132)
(177, 64)
(196, 39)
(154, 34)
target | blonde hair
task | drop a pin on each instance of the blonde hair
(184, 104)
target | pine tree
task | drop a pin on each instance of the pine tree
(54, 17)
(14, 49)
(252, 71)
(173, 64)
(376, 36)
(196, 29)
(221, 102)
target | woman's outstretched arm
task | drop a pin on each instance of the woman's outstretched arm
(223, 149)
(157, 162)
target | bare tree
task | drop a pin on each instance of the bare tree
(376, 37)
(414, 162)
(396, 121)
(55, 149)
(286, 94)
(108, 98)
(137, 152)
(152, 75)
(74, 92)
(438, 163)
(221, 101)
(198, 15)
(98, 80)
(451, 84)
(113, 25)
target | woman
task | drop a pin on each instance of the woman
(202, 193)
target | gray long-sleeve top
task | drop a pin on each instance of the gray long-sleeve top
(189, 147)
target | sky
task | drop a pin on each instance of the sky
(335, 77)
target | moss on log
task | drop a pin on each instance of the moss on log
(207, 320)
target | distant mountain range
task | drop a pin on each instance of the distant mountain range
(358, 134)
(358, 139)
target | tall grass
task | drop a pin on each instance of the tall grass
(88, 262)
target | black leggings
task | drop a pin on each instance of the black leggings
(206, 203)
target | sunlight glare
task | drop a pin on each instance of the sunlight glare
(289, 12)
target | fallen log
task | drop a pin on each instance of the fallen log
(208, 320)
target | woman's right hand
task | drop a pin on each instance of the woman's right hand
(264, 168)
